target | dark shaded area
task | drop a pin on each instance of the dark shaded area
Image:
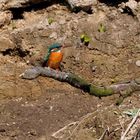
(18, 12)
(88, 10)
(128, 11)
(16, 51)
(137, 135)
(113, 2)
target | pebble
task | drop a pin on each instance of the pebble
(94, 68)
(32, 132)
(138, 63)
(53, 35)
(130, 61)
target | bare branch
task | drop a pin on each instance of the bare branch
(124, 89)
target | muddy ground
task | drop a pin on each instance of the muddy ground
(36, 109)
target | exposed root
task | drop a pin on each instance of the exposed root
(123, 89)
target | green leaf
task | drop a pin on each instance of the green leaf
(50, 20)
(82, 36)
(102, 28)
(85, 38)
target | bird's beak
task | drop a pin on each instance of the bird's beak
(66, 46)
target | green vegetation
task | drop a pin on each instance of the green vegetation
(50, 21)
(85, 39)
(102, 28)
(13, 25)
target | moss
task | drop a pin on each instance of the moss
(100, 92)
(91, 89)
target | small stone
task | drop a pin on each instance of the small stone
(130, 61)
(132, 4)
(53, 35)
(94, 68)
(83, 4)
(120, 10)
(32, 132)
(27, 62)
(51, 108)
(138, 63)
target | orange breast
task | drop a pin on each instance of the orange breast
(55, 60)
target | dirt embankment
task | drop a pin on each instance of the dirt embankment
(38, 108)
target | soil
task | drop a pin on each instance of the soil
(36, 109)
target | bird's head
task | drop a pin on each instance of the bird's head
(55, 47)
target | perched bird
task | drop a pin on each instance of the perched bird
(54, 56)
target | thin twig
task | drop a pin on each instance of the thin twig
(130, 125)
(115, 130)
(81, 122)
(64, 128)
(103, 135)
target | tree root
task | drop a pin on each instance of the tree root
(123, 89)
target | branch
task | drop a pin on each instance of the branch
(124, 89)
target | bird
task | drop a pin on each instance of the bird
(54, 56)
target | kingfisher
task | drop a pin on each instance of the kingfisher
(54, 56)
